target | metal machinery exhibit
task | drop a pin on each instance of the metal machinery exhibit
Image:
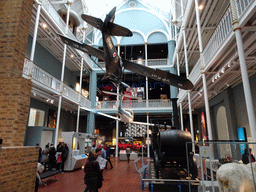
(173, 156)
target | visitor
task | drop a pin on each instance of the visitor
(40, 152)
(247, 154)
(108, 153)
(52, 158)
(128, 151)
(45, 157)
(92, 174)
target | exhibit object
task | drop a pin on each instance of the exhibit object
(114, 64)
(76, 145)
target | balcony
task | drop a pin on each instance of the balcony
(47, 87)
(156, 105)
(220, 56)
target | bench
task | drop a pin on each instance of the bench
(49, 174)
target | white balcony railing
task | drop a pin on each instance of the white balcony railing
(215, 44)
(242, 6)
(51, 82)
(47, 6)
(138, 104)
(219, 36)
(151, 62)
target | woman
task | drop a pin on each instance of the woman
(92, 173)
(45, 158)
(247, 154)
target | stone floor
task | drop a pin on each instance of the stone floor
(122, 178)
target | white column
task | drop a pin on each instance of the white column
(118, 49)
(32, 54)
(181, 117)
(244, 73)
(188, 92)
(62, 78)
(117, 122)
(148, 153)
(182, 8)
(207, 108)
(80, 87)
(146, 63)
(117, 131)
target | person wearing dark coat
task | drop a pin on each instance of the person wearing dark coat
(247, 154)
(92, 177)
(52, 157)
(108, 153)
(40, 153)
(63, 148)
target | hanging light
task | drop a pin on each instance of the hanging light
(200, 7)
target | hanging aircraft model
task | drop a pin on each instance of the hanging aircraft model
(115, 65)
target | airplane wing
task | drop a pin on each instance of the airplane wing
(97, 112)
(95, 22)
(158, 75)
(83, 47)
(117, 30)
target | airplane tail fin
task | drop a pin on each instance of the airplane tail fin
(95, 22)
(117, 30)
(114, 29)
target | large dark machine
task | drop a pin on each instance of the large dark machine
(171, 152)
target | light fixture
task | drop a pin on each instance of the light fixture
(200, 7)
(213, 79)
(43, 25)
(71, 55)
(218, 74)
(227, 84)
(223, 70)
(229, 64)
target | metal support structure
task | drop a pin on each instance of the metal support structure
(118, 49)
(117, 124)
(207, 108)
(146, 63)
(148, 153)
(62, 78)
(177, 58)
(188, 92)
(32, 54)
(244, 73)
(181, 117)
(80, 88)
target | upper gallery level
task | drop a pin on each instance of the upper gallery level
(220, 56)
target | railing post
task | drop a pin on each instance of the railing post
(207, 108)
(80, 87)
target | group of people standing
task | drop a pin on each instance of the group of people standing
(49, 158)
(93, 169)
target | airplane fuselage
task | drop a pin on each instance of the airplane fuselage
(112, 60)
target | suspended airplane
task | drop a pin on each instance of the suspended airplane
(115, 65)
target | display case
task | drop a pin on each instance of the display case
(76, 144)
